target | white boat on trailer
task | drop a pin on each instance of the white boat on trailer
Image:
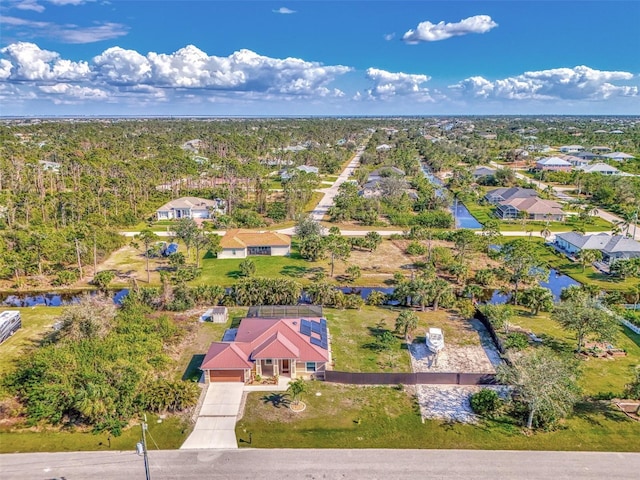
(435, 339)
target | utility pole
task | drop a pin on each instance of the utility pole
(141, 448)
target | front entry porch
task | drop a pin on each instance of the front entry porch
(272, 367)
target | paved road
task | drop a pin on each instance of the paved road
(330, 193)
(323, 464)
(560, 192)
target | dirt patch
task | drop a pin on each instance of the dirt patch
(387, 259)
(482, 358)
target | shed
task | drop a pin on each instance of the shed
(215, 315)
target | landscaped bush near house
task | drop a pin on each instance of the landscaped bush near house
(486, 402)
(633, 317)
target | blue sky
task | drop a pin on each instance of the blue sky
(94, 57)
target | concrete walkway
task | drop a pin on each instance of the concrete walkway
(216, 423)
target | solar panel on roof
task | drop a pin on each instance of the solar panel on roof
(305, 327)
(316, 341)
(315, 327)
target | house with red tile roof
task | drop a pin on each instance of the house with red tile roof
(239, 243)
(287, 347)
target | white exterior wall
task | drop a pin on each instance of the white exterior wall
(280, 251)
(229, 253)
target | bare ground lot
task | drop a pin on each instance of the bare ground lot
(476, 354)
(450, 402)
(480, 356)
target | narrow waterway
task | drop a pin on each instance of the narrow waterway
(461, 215)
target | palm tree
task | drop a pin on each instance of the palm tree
(588, 256)
(406, 322)
(147, 237)
(537, 298)
(296, 388)
(439, 289)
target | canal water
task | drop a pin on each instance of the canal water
(556, 283)
(462, 216)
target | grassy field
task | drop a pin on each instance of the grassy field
(353, 337)
(169, 434)
(36, 322)
(599, 375)
(344, 416)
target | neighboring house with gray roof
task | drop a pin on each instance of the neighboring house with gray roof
(618, 156)
(498, 195)
(601, 168)
(191, 207)
(482, 171)
(612, 247)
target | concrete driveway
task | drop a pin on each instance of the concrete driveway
(216, 423)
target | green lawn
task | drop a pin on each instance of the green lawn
(169, 434)
(353, 337)
(36, 322)
(599, 376)
(344, 416)
(226, 272)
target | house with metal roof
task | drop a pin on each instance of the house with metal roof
(191, 207)
(618, 156)
(237, 243)
(268, 347)
(612, 247)
(601, 168)
(571, 148)
(553, 164)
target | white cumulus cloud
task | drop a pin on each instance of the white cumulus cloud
(577, 83)
(29, 62)
(430, 32)
(188, 72)
(284, 11)
(388, 84)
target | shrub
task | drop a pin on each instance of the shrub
(415, 249)
(516, 341)
(486, 402)
(65, 277)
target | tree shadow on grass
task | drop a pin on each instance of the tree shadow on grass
(294, 271)
(192, 372)
(589, 411)
(277, 400)
(558, 346)
(235, 274)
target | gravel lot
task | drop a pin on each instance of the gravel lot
(481, 358)
(451, 402)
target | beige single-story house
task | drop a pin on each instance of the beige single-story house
(238, 243)
(535, 209)
(289, 347)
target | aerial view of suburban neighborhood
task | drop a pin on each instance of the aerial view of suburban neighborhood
(300, 295)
